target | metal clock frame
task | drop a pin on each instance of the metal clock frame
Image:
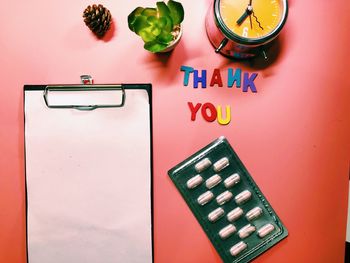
(248, 41)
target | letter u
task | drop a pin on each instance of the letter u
(228, 115)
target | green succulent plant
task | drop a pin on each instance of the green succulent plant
(159, 26)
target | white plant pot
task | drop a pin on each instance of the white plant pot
(174, 43)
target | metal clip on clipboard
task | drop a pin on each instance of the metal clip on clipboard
(84, 87)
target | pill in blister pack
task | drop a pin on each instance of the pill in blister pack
(254, 213)
(213, 181)
(246, 231)
(227, 203)
(224, 197)
(221, 164)
(194, 181)
(227, 231)
(238, 248)
(232, 180)
(205, 198)
(234, 214)
(265, 230)
(202, 165)
(216, 214)
(243, 197)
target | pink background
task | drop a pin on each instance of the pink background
(293, 135)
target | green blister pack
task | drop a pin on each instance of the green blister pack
(227, 203)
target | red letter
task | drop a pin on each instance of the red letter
(194, 110)
(212, 109)
(216, 78)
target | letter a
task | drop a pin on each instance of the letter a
(216, 78)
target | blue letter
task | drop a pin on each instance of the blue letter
(249, 82)
(187, 70)
(197, 79)
(234, 78)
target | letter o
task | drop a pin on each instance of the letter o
(213, 113)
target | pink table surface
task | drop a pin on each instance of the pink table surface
(293, 135)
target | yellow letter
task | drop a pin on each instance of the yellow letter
(228, 115)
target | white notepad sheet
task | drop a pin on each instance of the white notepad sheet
(88, 179)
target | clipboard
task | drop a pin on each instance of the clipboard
(88, 171)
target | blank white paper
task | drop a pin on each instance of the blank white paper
(88, 176)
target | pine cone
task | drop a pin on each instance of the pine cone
(98, 19)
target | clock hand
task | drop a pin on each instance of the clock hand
(246, 13)
(250, 16)
(257, 20)
(250, 21)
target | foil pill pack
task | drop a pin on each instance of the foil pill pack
(227, 203)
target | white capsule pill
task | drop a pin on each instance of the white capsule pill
(224, 197)
(234, 214)
(246, 231)
(202, 165)
(205, 198)
(194, 181)
(254, 213)
(227, 231)
(265, 230)
(216, 214)
(213, 181)
(243, 197)
(232, 180)
(238, 248)
(221, 164)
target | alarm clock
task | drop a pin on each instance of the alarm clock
(245, 28)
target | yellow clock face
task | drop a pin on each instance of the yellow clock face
(252, 19)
